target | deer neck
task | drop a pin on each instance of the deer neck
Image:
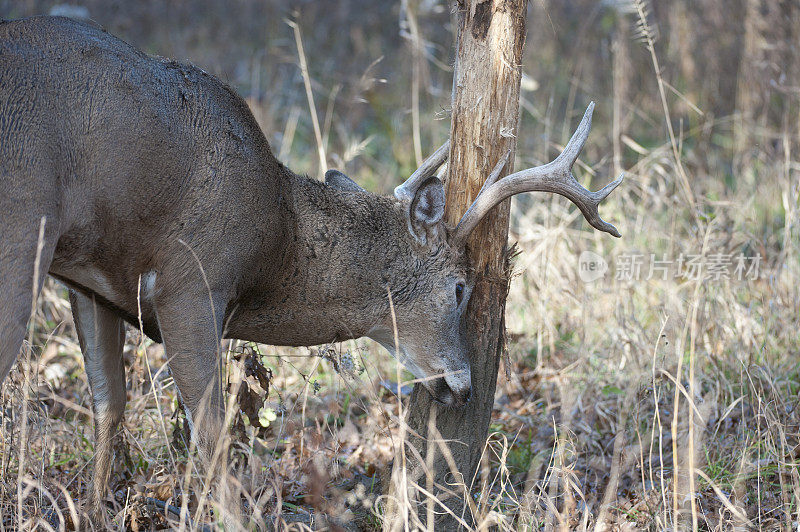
(330, 284)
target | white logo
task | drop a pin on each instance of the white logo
(591, 266)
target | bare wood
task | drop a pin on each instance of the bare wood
(485, 116)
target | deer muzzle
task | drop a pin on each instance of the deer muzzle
(454, 389)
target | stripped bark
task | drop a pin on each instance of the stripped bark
(485, 118)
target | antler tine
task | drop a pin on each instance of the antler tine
(495, 172)
(429, 166)
(555, 176)
(575, 145)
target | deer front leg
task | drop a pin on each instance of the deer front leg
(101, 334)
(191, 328)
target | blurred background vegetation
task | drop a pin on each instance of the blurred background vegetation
(723, 60)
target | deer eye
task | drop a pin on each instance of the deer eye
(459, 293)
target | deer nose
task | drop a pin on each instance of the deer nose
(462, 396)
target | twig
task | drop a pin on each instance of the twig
(323, 165)
(23, 438)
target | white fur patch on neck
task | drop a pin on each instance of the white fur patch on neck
(148, 286)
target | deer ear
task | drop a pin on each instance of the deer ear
(426, 209)
(336, 179)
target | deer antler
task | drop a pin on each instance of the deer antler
(429, 166)
(555, 176)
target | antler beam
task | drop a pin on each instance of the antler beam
(555, 176)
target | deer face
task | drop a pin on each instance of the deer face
(429, 313)
(429, 306)
(430, 283)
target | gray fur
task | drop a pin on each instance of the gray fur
(158, 188)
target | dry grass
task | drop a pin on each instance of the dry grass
(646, 403)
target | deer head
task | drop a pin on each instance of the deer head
(431, 300)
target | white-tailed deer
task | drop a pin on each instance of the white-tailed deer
(162, 204)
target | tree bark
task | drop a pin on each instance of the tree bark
(485, 119)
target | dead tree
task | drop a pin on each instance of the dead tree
(485, 116)
(445, 444)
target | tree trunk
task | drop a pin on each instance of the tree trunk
(485, 118)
